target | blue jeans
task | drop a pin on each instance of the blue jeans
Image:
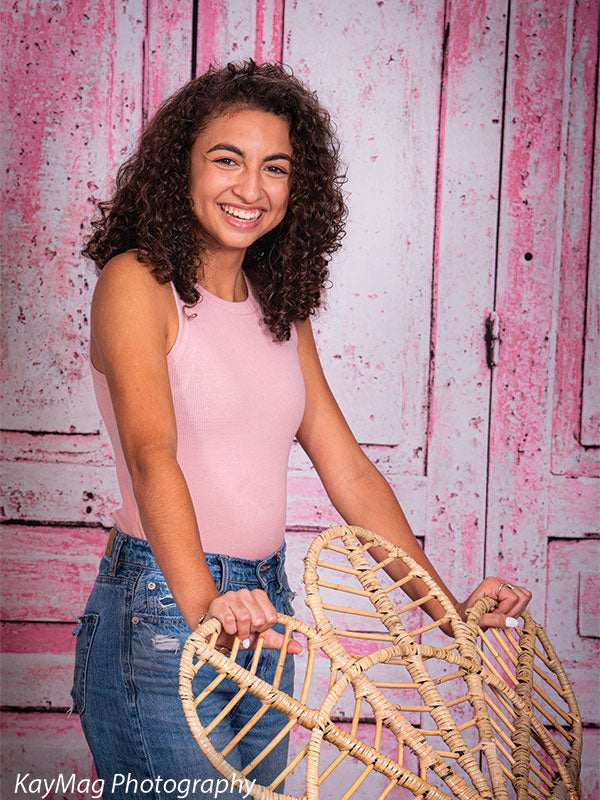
(126, 679)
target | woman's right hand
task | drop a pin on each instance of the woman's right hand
(247, 613)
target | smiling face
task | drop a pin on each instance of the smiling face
(240, 177)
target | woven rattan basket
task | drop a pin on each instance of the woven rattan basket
(386, 705)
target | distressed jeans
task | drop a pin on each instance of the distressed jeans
(126, 679)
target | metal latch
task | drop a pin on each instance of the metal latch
(492, 338)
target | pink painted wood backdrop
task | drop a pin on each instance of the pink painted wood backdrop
(469, 129)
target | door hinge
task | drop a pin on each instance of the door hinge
(492, 338)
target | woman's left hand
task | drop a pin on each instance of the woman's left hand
(512, 602)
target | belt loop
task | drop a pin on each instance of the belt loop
(225, 574)
(281, 562)
(118, 540)
(109, 544)
(258, 569)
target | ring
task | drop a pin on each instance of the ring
(502, 585)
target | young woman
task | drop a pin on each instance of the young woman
(212, 255)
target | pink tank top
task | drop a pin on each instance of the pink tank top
(239, 400)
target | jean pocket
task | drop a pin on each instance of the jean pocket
(85, 636)
(159, 601)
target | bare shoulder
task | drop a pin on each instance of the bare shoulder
(125, 279)
(129, 304)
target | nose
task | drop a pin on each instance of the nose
(249, 185)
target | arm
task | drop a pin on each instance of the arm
(364, 498)
(129, 324)
(129, 330)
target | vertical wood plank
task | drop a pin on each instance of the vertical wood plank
(236, 30)
(531, 194)
(72, 101)
(578, 251)
(376, 67)
(574, 626)
(590, 774)
(469, 160)
(65, 134)
(590, 411)
(168, 62)
(269, 30)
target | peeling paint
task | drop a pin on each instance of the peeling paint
(424, 122)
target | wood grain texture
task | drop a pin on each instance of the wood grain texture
(576, 324)
(168, 51)
(47, 572)
(527, 502)
(382, 87)
(71, 80)
(37, 665)
(590, 410)
(467, 153)
(234, 30)
(43, 745)
(464, 247)
(531, 193)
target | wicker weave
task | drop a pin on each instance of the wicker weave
(484, 716)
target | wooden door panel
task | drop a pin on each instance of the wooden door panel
(463, 280)
(541, 482)
(527, 271)
(63, 142)
(417, 89)
(575, 392)
(382, 87)
(574, 627)
(590, 405)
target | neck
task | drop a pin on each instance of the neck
(223, 276)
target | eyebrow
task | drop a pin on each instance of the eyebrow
(233, 149)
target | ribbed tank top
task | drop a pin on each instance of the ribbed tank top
(239, 400)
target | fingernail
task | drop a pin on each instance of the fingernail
(246, 643)
(511, 622)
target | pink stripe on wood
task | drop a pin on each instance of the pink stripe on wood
(579, 254)
(168, 43)
(210, 15)
(44, 745)
(37, 665)
(269, 30)
(466, 214)
(530, 195)
(47, 571)
(572, 617)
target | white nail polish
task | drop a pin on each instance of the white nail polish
(246, 643)
(511, 622)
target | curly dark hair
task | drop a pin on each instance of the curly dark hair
(150, 211)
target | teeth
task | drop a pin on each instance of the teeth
(240, 213)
